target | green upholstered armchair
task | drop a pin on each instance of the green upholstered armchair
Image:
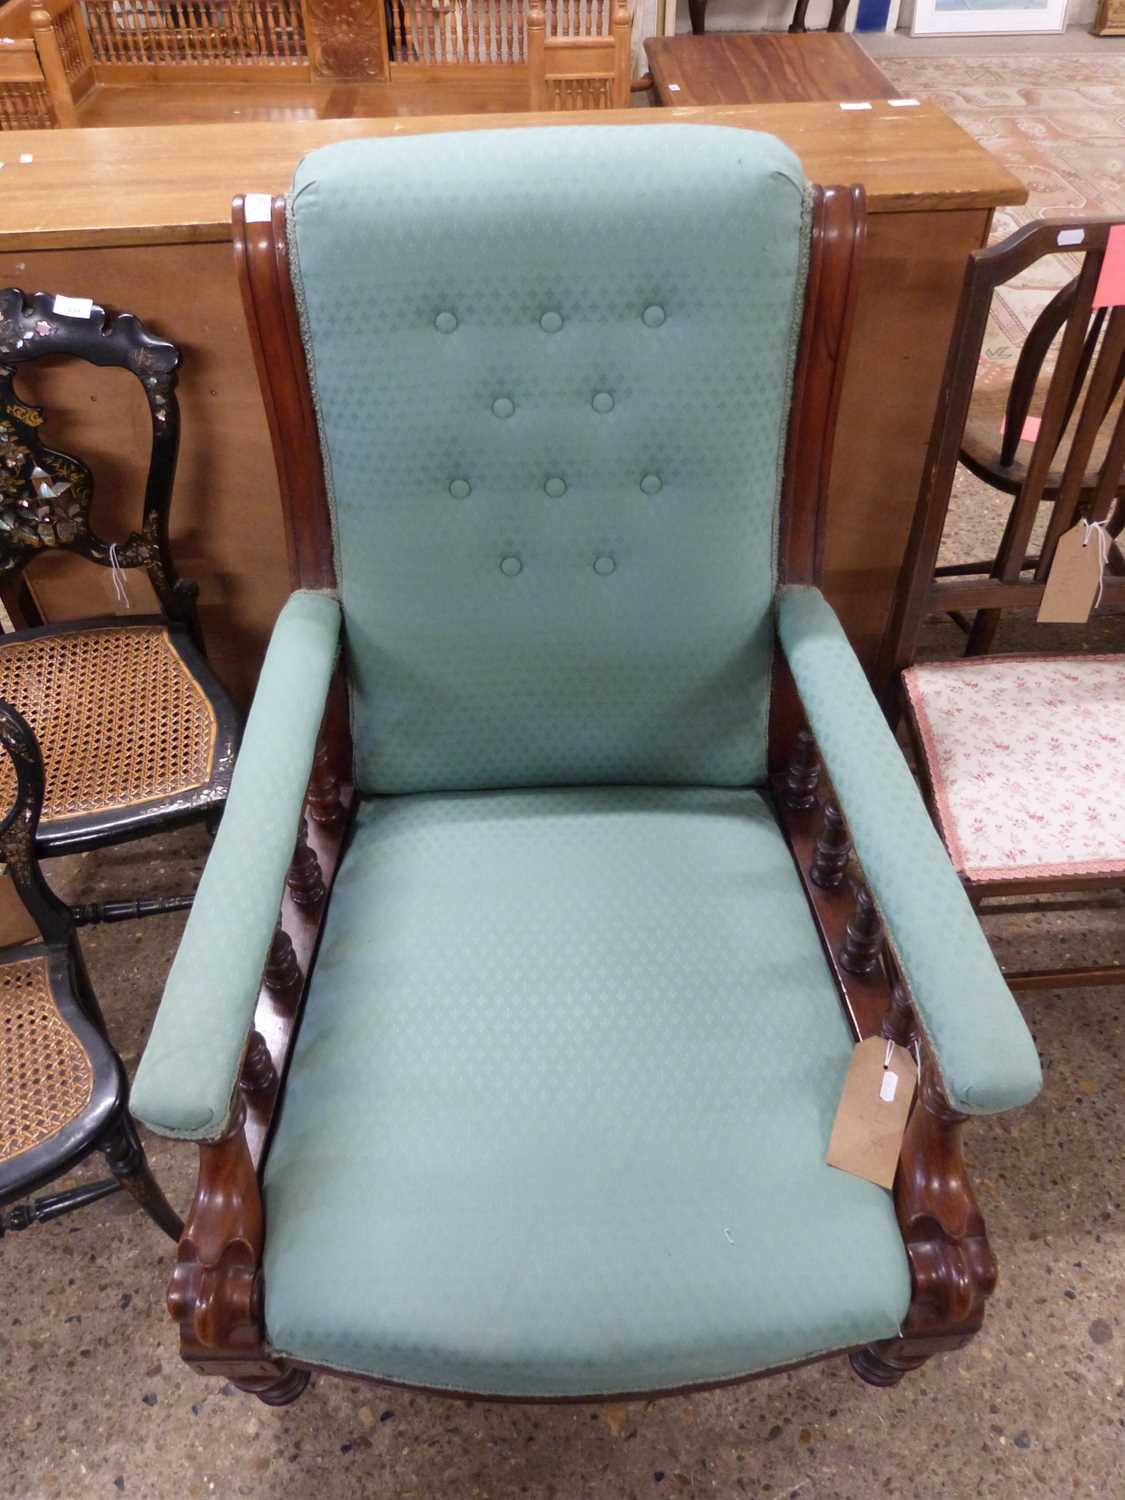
(528, 1094)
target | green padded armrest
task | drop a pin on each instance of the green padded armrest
(189, 1070)
(982, 1046)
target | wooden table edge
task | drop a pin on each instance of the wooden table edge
(1002, 189)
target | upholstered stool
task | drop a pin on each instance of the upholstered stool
(1023, 756)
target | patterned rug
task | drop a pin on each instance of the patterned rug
(1058, 123)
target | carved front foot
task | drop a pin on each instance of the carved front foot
(952, 1268)
(215, 1294)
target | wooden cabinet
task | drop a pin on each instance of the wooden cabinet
(140, 219)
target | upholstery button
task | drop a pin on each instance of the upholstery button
(460, 489)
(652, 484)
(653, 316)
(551, 322)
(445, 322)
(503, 407)
(510, 566)
(602, 403)
(604, 565)
(555, 487)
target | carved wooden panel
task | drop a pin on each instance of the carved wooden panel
(347, 38)
(1110, 20)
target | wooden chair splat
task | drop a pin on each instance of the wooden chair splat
(1102, 384)
(1017, 535)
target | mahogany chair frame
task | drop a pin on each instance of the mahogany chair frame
(1017, 580)
(216, 1288)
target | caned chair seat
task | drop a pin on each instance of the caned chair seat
(585, 1053)
(130, 722)
(1023, 754)
(59, 1082)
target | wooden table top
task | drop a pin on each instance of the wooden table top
(163, 184)
(764, 67)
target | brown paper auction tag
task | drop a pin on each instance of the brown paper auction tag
(871, 1116)
(1074, 579)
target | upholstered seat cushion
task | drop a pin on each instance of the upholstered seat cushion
(1023, 754)
(556, 1119)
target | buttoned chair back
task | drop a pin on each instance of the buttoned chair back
(553, 439)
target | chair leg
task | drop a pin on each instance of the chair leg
(128, 911)
(983, 633)
(697, 9)
(282, 1390)
(125, 1157)
(43, 1210)
(880, 1364)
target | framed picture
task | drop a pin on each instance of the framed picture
(957, 17)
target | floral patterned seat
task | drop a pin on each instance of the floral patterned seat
(1022, 754)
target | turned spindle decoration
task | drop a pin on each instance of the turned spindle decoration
(282, 971)
(864, 942)
(305, 882)
(258, 1072)
(833, 849)
(324, 802)
(802, 774)
(898, 1024)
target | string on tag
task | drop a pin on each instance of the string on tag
(1103, 551)
(120, 593)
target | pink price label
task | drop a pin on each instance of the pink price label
(1030, 430)
(1111, 283)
